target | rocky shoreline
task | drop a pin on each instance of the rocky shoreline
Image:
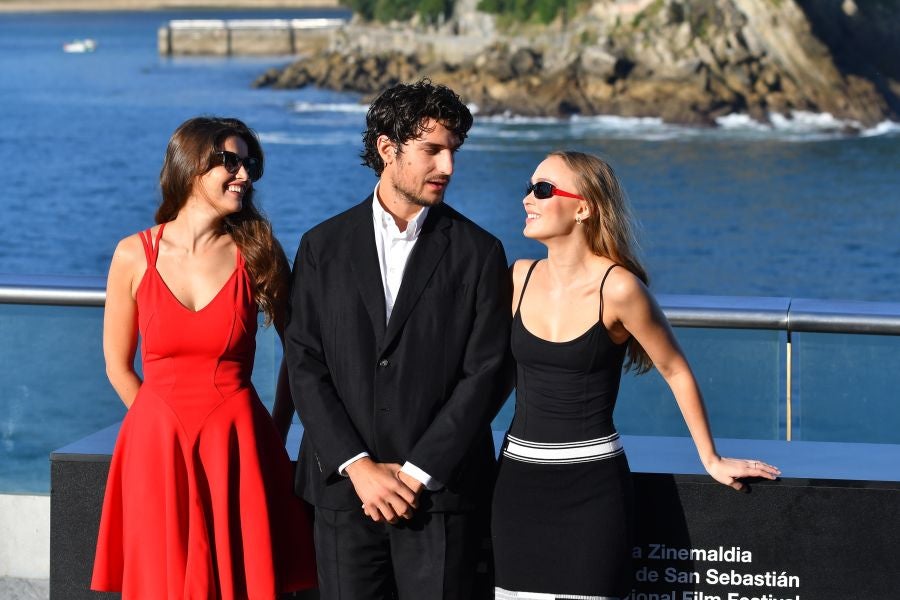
(686, 62)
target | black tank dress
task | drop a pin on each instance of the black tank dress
(562, 521)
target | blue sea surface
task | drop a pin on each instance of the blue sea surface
(797, 209)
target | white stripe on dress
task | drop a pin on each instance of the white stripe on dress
(562, 452)
(501, 594)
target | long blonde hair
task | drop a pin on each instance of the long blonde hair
(190, 154)
(609, 229)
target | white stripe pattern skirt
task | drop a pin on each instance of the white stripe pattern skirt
(562, 520)
(501, 594)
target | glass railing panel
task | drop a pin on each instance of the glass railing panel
(741, 372)
(845, 387)
(55, 389)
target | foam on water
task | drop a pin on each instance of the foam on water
(333, 138)
(330, 107)
(883, 128)
(806, 126)
(795, 126)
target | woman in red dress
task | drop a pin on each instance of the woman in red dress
(199, 501)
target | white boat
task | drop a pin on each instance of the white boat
(80, 46)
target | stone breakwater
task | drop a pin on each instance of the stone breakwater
(686, 62)
(220, 37)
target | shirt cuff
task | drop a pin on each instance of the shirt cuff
(342, 470)
(431, 484)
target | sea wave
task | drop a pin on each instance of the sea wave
(883, 128)
(335, 137)
(330, 107)
(796, 126)
(510, 118)
(807, 126)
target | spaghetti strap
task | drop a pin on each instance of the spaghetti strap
(602, 283)
(148, 246)
(151, 249)
(525, 284)
(158, 237)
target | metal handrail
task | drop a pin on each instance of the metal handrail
(719, 312)
(53, 290)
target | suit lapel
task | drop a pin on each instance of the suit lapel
(365, 269)
(423, 260)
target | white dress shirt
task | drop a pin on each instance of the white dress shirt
(394, 247)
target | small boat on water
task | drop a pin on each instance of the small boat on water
(80, 46)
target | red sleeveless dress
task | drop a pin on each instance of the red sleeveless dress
(199, 501)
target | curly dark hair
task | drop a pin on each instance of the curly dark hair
(401, 112)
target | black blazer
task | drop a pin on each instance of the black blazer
(422, 388)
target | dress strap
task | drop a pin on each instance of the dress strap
(239, 259)
(602, 283)
(151, 246)
(148, 246)
(525, 284)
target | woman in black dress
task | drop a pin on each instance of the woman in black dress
(562, 513)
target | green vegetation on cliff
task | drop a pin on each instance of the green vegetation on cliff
(385, 11)
(432, 11)
(540, 11)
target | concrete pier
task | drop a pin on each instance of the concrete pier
(245, 37)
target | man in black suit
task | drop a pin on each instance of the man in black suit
(400, 312)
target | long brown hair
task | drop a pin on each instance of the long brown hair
(190, 153)
(609, 229)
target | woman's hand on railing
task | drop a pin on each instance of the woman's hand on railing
(730, 471)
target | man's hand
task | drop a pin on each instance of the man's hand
(384, 496)
(412, 483)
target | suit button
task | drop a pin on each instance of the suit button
(383, 363)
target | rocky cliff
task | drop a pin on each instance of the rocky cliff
(687, 61)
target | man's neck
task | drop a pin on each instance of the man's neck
(393, 204)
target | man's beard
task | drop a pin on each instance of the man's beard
(422, 201)
(418, 200)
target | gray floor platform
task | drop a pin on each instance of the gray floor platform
(24, 589)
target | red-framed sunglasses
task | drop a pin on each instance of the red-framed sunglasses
(544, 189)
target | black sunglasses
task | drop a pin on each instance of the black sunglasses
(544, 189)
(232, 163)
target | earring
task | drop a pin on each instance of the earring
(578, 220)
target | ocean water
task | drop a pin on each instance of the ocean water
(795, 209)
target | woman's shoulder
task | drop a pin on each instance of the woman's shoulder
(130, 249)
(519, 269)
(621, 285)
(128, 265)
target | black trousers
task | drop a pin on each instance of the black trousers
(433, 556)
